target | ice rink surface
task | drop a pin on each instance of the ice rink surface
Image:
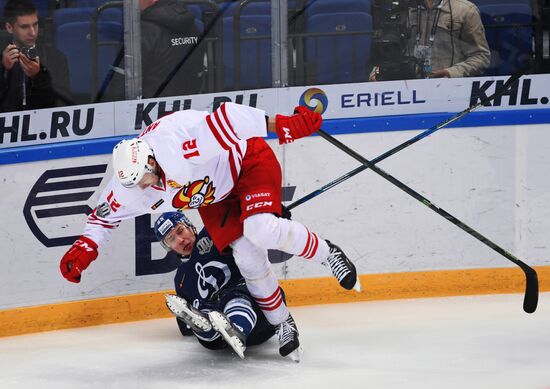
(459, 342)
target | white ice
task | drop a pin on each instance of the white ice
(484, 342)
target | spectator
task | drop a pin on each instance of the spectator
(450, 42)
(32, 76)
(213, 303)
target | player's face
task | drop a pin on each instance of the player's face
(181, 239)
(149, 179)
(24, 30)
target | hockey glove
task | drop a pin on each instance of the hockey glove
(78, 258)
(285, 213)
(304, 122)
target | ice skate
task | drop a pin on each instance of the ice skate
(289, 345)
(232, 335)
(342, 268)
(194, 318)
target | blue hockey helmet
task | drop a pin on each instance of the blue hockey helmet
(167, 222)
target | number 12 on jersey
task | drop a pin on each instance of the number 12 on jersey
(190, 149)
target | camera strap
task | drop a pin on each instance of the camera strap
(434, 25)
(24, 90)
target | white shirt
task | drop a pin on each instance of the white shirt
(201, 156)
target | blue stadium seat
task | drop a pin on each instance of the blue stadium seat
(331, 6)
(254, 56)
(200, 25)
(73, 39)
(339, 57)
(88, 3)
(196, 9)
(71, 15)
(511, 45)
(197, 12)
(42, 6)
(252, 8)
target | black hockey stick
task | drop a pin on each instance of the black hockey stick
(531, 285)
(483, 101)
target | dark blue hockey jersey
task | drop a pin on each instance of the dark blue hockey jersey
(205, 273)
(207, 281)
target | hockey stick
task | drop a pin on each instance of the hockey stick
(531, 281)
(483, 101)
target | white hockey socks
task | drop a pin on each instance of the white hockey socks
(260, 279)
(272, 232)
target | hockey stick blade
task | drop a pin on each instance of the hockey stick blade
(484, 101)
(530, 300)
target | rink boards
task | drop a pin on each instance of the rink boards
(492, 177)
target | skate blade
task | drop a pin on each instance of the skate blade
(357, 286)
(178, 307)
(296, 355)
(220, 324)
(174, 304)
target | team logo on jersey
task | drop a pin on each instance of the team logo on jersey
(195, 194)
(173, 184)
(204, 245)
(206, 281)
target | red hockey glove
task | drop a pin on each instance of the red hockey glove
(78, 258)
(304, 122)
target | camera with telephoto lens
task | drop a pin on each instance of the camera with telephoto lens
(29, 52)
(391, 39)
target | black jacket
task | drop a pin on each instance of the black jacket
(49, 88)
(168, 33)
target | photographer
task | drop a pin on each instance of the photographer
(442, 38)
(25, 80)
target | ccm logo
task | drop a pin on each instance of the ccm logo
(259, 205)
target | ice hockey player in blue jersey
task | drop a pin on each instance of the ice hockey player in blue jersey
(212, 300)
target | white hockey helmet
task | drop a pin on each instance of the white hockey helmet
(131, 161)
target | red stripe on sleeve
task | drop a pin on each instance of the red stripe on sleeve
(216, 134)
(230, 136)
(224, 113)
(233, 167)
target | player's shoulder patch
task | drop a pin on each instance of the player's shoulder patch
(103, 210)
(204, 245)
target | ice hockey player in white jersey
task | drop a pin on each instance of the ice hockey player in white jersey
(219, 164)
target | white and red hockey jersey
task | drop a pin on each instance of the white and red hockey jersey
(200, 155)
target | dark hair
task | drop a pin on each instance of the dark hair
(15, 8)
